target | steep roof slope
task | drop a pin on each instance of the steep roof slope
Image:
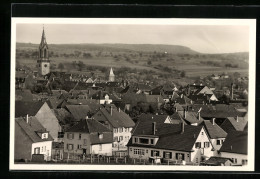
(23, 108)
(78, 111)
(214, 131)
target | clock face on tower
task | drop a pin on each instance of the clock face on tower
(45, 65)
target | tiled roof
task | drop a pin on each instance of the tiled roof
(61, 114)
(234, 123)
(107, 138)
(236, 142)
(175, 118)
(183, 100)
(88, 126)
(117, 119)
(214, 131)
(170, 136)
(23, 108)
(93, 104)
(154, 99)
(78, 111)
(191, 117)
(31, 128)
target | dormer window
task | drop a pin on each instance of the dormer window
(45, 135)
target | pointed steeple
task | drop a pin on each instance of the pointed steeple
(111, 72)
(43, 40)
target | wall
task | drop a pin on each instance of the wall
(76, 141)
(106, 149)
(216, 147)
(44, 70)
(45, 148)
(122, 144)
(147, 153)
(196, 155)
(49, 121)
(239, 157)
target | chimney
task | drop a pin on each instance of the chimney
(118, 109)
(199, 112)
(231, 147)
(182, 127)
(199, 116)
(154, 128)
(232, 86)
(111, 110)
(27, 118)
(213, 121)
(237, 118)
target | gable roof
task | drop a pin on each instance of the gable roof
(175, 118)
(236, 142)
(214, 131)
(88, 126)
(23, 108)
(234, 123)
(78, 111)
(191, 117)
(61, 114)
(170, 136)
(31, 128)
(117, 119)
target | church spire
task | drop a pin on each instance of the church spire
(43, 40)
(111, 75)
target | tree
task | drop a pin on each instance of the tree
(61, 66)
(149, 62)
(183, 74)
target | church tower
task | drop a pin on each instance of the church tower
(111, 76)
(43, 62)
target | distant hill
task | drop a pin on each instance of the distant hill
(173, 49)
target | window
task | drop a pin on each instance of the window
(115, 139)
(79, 136)
(60, 134)
(136, 140)
(234, 160)
(37, 150)
(188, 155)
(218, 142)
(79, 146)
(202, 133)
(139, 151)
(45, 65)
(197, 145)
(179, 156)
(155, 153)
(197, 160)
(70, 135)
(100, 147)
(115, 130)
(70, 146)
(167, 155)
(144, 141)
(121, 138)
(126, 129)
(44, 148)
(244, 162)
(131, 149)
(206, 144)
(152, 141)
(85, 141)
(147, 151)
(100, 136)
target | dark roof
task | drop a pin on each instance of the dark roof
(78, 111)
(170, 136)
(93, 104)
(214, 131)
(153, 99)
(107, 138)
(88, 126)
(61, 114)
(236, 142)
(183, 100)
(31, 128)
(175, 118)
(23, 108)
(217, 161)
(192, 117)
(117, 119)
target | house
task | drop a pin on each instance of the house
(215, 76)
(20, 77)
(216, 134)
(191, 117)
(43, 114)
(118, 122)
(234, 123)
(173, 119)
(31, 139)
(218, 161)
(235, 147)
(88, 137)
(102, 97)
(174, 142)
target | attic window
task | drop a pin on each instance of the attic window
(44, 135)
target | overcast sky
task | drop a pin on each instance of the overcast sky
(201, 38)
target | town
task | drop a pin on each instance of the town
(87, 118)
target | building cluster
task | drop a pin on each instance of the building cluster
(92, 118)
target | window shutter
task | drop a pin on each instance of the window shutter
(152, 153)
(72, 146)
(68, 135)
(72, 135)
(164, 154)
(170, 154)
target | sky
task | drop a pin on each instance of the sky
(201, 38)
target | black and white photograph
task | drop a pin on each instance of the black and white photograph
(132, 94)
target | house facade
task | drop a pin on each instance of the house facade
(87, 137)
